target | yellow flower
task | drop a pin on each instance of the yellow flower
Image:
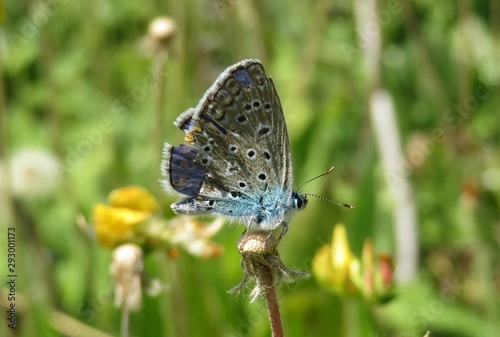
(116, 225)
(337, 269)
(334, 265)
(134, 197)
(130, 218)
(120, 222)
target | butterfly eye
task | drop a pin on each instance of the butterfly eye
(300, 201)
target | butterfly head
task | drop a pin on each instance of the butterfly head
(299, 200)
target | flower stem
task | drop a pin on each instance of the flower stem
(272, 303)
(125, 327)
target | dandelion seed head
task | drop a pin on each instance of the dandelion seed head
(33, 173)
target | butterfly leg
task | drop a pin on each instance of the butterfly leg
(283, 232)
(248, 228)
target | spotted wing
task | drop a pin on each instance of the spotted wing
(240, 132)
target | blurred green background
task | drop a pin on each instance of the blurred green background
(80, 72)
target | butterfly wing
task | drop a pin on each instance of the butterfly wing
(239, 131)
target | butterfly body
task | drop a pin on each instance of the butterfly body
(238, 162)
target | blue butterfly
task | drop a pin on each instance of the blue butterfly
(238, 161)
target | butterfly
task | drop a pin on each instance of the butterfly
(237, 162)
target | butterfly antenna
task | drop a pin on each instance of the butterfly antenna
(333, 202)
(321, 175)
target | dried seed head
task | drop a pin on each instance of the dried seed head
(126, 269)
(33, 173)
(258, 242)
(161, 28)
(158, 39)
(261, 261)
